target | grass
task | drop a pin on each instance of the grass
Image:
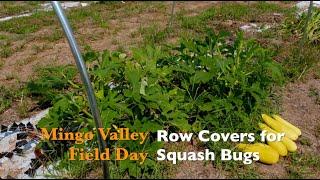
(99, 20)
(153, 33)
(212, 17)
(27, 25)
(10, 76)
(39, 48)
(9, 95)
(300, 60)
(26, 61)
(6, 50)
(1, 63)
(3, 37)
(303, 166)
(318, 130)
(9, 8)
(55, 35)
(313, 92)
(247, 172)
(23, 107)
(97, 13)
(305, 141)
(6, 97)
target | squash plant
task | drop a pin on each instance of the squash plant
(198, 84)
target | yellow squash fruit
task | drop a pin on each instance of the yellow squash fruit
(267, 154)
(279, 127)
(286, 123)
(279, 147)
(290, 145)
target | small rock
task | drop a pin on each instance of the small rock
(277, 14)
(4, 170)
(84, 4)
(7, 144)
(4, 161)
(19, 166)
(66, 5)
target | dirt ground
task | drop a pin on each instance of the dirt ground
(298, 106)
(22, 64)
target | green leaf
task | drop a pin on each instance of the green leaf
(203, 77)
(181, 124)
(143, 85)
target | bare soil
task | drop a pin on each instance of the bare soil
(21, 66)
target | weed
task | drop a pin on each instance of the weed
(313, 92)
(26, 61)
(99, 20)
(318, 131)
(23, 107)
(26, 25)
(234, 11)
(305, 141)
(36, 49)
(1, 63)
(10, 8)
(6, 50)
(20, 46)
(296, 26)
(50, 81)
(300, 60)
(10, 76)
(303, 165)
(3, 37)
(153, 34)
(121, 48)
(56, 35)
(6, 97)
(247, 172)
(114, 41)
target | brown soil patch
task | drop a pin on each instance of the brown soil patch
(300, 108)
(59, 53)
(197, 169)
(36, 52)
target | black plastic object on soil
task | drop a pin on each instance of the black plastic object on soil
(22, 127)
(4, 128)
(35, 163)
(18, 150)
(30, 126)
(8, 155)
(30, 172)
(21, 143)
(22, 135)
(13, 127)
